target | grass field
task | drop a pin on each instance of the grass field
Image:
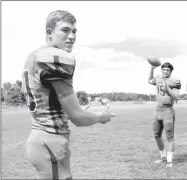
(123, 148)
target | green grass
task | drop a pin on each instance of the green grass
(123, 148)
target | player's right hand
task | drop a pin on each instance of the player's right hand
(106, 115)
(153, 67)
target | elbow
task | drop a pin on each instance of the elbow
(77, 124)
(150, 82)
(76, 119)
(176, 98)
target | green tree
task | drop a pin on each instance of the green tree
(19, 83)
(183, 96)
(6, 91)
(2, 95)
(12, 93)
(82, 97)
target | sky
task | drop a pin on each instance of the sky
(114, 40)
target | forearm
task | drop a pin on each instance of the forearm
(78, 115)
(86, 118)
(175, 95)
(151, 73)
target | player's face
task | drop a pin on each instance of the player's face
(64, 35)
(166, 72)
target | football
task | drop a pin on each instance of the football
(154, 61)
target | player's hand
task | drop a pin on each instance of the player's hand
(153, 67)
(106, 114)
(176, 85)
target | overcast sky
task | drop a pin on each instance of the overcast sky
(113, 41)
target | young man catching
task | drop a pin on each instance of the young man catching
(164, 118)
(48, 88)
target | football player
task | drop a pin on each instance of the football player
(167, 92)
(48, 88)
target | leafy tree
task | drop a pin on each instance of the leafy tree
(19, 83)
(183, 96)
(82, 97)
(12, 93)
(6, 91)
(2, 95)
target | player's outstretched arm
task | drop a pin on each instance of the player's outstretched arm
(78, 115)
(151, 79)
(81, 117)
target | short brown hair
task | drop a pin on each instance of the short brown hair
(167, 65)
(58, 15)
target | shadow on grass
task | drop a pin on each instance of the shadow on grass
(180, 158)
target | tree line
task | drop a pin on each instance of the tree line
(11, 94)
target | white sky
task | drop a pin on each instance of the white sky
(102, 69)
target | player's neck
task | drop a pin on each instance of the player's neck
(166, 77)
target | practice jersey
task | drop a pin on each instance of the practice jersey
(163, 99)
(46, 111)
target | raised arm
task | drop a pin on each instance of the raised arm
(151, 79)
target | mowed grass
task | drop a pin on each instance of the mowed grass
(123, 148)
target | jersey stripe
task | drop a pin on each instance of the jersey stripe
(53, 163)
(54, 105)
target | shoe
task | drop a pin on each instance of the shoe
(169, 164)
(163, 159)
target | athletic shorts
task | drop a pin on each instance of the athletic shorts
(164, 118)
(49, 154)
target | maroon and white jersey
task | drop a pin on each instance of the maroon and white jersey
(163, 99)
(45, 108)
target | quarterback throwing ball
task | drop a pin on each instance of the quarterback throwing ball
(167, 92)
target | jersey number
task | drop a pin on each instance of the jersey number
(30, 96)
(161, 90)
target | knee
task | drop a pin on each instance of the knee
(157, 136)
(170, 136)
(157, 131)
(169, 128)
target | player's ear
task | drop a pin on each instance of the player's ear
(49, 33)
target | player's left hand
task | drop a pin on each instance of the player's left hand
(107, 114)
(177, 85)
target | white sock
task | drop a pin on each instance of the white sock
(169, 156)
(163, 153)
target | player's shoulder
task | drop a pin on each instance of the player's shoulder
(175, 80)
(29, 61)
(51, 54)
